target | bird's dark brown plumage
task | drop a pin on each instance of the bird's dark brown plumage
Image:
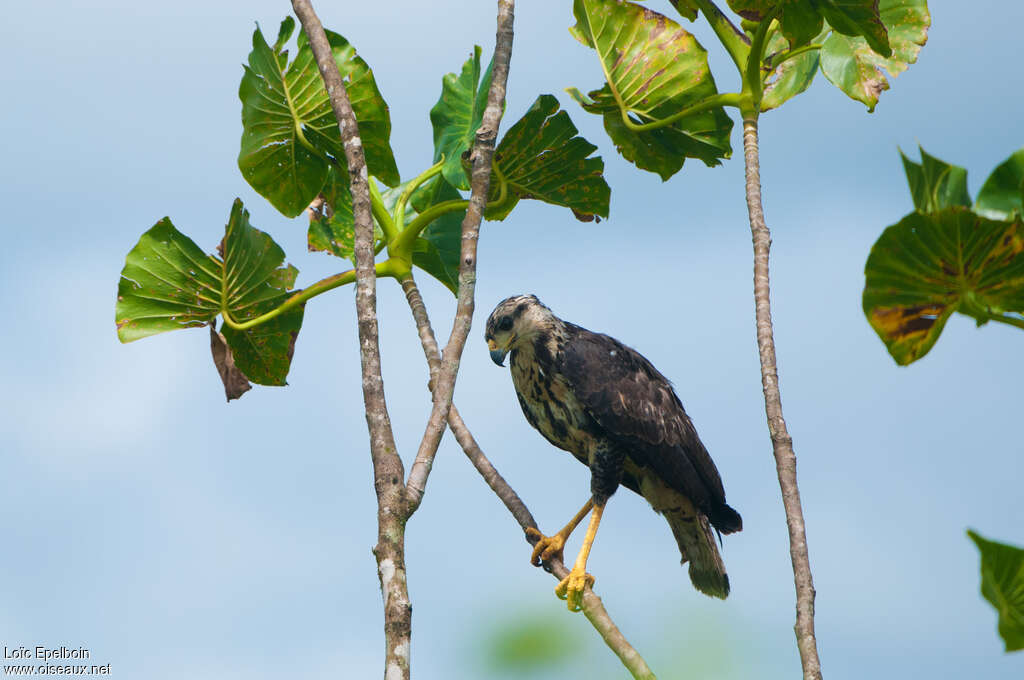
(606, 404)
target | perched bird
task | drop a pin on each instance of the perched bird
(609, 407)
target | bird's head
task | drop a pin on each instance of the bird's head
(514, 321)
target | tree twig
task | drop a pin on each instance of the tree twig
(782, 443)
(388, 472)
(593, 608)
(480, 182)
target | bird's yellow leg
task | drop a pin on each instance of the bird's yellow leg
(572, 586)
(548, 547)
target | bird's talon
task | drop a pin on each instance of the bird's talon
(546, 548)
(571, 589)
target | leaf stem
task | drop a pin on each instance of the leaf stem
(752, 81)
(385, 268)
(722, 99)
(403, 198)
(402, 246)
(969, 306)
(380, 212)
(783, 57)
(1010, 320)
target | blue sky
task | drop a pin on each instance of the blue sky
(166, 531)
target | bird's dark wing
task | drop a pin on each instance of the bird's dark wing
(637, 406)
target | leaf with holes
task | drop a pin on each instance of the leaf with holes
(168, 283)
(927, 266)
(653, 69)
(1002, 584)
(935, 184)
(543, 158)
(289, 133)
(856, 67)
(457, 115)
(1002, 195)
(332, 225)
(255, 282)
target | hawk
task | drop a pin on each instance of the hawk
(604, 403)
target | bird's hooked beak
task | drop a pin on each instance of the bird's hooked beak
(497, 353)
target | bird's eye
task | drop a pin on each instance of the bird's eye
(505, 324)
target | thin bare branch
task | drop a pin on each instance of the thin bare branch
(782, 443)
(593, 608)
(388, 472)
(480, 182)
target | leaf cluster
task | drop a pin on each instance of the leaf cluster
(659, 102)
(949, 255)
(291, 154)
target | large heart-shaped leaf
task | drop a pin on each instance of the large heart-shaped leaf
(541, 157)
(935, 184)
(855, 66)
(653, 68)
(927, 266)
(1002, 194)
(1002, 584)
(168, 283)
(289, 133)
(792, 76)
(457, 115)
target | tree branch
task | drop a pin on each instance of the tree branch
(593, 608)
(388, 472)
(782, 443)
(480, 181)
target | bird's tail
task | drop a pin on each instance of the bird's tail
(725, 519)
(697, 546)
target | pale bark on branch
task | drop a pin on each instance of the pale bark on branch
(480, 182)
(388, 472)
(593, 608)
(782, 443)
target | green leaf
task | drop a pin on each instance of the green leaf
(801, 20)
(332, 227)
(457, 115)
(289, 133)
(254, 283)
(542, 157)
(754, 10)
(800, 23)
(927, 266)
(653, 68)
(792, 76)
(167, 283)
(853, 65)
(859, 18)
(1002, 195)
(1002, 584)
(686, 8)
(935, 184)
(438, 249)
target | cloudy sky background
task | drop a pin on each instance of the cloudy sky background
(172, 533)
